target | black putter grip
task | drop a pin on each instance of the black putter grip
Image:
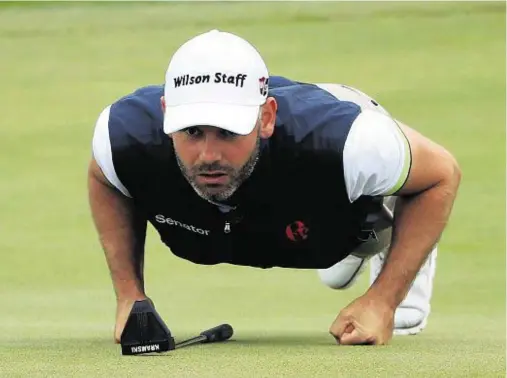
(219, 333)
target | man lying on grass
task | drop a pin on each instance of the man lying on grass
(233, 166)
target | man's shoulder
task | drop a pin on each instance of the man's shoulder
(321, 94)
(142, 102)
(308, 109)
(137, 116)
(129, 140)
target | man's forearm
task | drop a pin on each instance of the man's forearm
(124, 252)
(122, 235)
(418, 224)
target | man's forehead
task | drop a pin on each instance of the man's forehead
(205, 127)
(208, 128)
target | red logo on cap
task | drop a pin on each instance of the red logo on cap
(263, 85)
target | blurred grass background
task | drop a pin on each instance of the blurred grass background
(438, 66)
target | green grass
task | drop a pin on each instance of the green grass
(440, 67)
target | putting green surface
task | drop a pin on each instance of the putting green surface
(439, 67)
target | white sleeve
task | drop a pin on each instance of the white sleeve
(376, 156)
(102, 151)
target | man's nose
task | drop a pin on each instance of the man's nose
(210, 151)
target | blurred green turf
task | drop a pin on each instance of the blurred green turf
(440, 67)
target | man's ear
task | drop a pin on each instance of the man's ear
(268, 118)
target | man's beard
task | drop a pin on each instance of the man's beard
(236, 176)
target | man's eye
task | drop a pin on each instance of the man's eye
(227, 134)
(192, 131)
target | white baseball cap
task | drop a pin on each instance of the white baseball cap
(216, 79)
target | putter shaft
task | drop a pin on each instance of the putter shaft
(193, 340)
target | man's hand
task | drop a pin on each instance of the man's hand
(367, 320)
(123, 308)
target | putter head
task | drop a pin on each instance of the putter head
(145, 331)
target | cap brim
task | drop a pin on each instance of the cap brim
(238, 119)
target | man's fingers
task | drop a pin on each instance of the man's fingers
(343, 324)
(120, 325)
(348, 329)
(123, 309)
(355, 338)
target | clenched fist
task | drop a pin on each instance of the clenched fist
(367, 320)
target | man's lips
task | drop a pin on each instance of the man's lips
(213, 177)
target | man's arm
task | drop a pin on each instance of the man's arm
(122, 233)
(381, 160)
(422, 211)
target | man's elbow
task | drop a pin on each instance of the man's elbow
(452, 176)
